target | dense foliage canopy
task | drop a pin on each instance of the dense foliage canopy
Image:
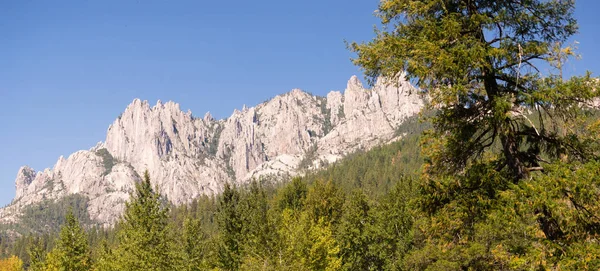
(508, 142)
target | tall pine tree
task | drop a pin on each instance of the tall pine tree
(230, 225)
(146, 241)
(72, 250)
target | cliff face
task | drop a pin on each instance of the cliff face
(188, 156)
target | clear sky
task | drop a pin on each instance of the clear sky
(69, 68)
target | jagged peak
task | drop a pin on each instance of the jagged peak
(59, 162)
(334, 93)
(208, 117)
(297, 91)
(26, 170)
(98, 146)
(137, 104)
(354, 83)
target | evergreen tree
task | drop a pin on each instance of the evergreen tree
(146, 241)
(477, 60)
(53, 261)
(260, 230)
(392, 230)
(258, 227)
(105, 258)
(37, 254)
(72, 250)
(293, 195)
(196, 246)
(353, 233)
(499, 131)
(324, 202)
(230, 224)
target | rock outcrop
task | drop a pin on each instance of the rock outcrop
(188, 156)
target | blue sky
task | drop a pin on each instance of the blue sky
(69, 68)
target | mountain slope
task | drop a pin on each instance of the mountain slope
(188, 156)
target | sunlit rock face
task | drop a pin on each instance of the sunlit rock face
(188, 156)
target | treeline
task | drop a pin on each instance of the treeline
(50, 215)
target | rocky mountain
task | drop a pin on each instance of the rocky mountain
(188, 156)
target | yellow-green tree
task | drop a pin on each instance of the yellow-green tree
(72, 251)
(11, 264)
(53, 261)
(304, 244)
(146, 241)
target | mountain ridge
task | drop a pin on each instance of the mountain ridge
(187, 156)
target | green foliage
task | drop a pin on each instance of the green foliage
(492, 196)
(327, 126)
(105, 258)
(293, 195)
(476, 60)
(377, 170)
(197, 248)
(353, 233)
(324, 202)
(146, 240)
(230, 224)
(309, 157)
(49, 215)
(37, 255)
(72, 251)
(305, 244)
(107, 160)
(214, 141)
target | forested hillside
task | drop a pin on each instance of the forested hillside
(353, 207)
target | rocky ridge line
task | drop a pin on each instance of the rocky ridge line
(188, 156)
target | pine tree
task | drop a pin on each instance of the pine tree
(353, 233)
(324, 202)
(195, 245)
(259, 231)
(293, 195)
(72, 250)
(146, 241)
(37, 254)
(230, 224)
(105, 258)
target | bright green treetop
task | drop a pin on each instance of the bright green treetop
(72, 250)
(145, 238)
